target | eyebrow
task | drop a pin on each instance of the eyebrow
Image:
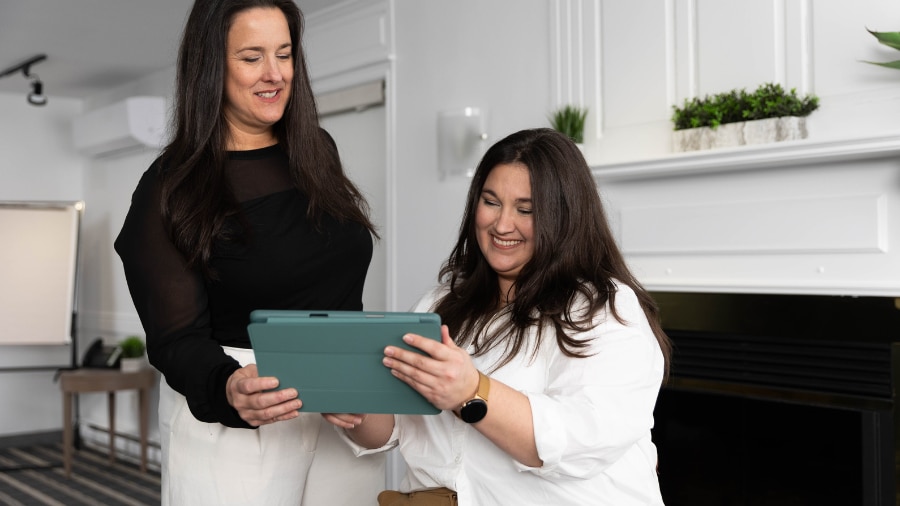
(260, 49)
(517, 201)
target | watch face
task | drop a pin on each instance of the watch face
(473, 411)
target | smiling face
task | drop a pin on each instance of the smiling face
(258, 74)
(503, 222)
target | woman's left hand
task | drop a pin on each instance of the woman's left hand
(254, 401)
(445, 376)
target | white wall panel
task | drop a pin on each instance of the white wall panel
(741, 54)
(798, 60)
(841, 43)
(350, 35)
(634, 62)
(840, 223)
(575, 46)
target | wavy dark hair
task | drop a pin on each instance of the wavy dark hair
(196, 199)
(575, 255)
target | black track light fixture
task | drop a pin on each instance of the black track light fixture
(36, 96)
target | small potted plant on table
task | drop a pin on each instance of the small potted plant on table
(133, 358)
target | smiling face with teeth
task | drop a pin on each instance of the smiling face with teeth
(258, 75)
(503, 222)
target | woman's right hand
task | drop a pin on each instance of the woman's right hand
(250, 396)
(344, 420)
(374, 433)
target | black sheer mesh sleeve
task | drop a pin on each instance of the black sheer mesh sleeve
(171, 301)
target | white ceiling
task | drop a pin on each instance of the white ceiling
(93, 45)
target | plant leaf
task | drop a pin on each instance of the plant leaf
(891, 39)
(890, 64)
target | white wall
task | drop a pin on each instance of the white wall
(450, 55)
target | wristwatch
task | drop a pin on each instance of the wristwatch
(474, 409)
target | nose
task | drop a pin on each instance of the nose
(505, 220)
(272, 72)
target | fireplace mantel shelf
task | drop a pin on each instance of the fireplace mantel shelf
(780, 154)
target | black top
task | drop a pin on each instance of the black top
(280, 263)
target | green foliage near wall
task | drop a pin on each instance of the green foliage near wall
(570, 121)
(768, 101)
(889, 39)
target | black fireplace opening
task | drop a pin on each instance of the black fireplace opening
(730, 451)
(778, 400)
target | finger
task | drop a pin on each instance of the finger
(271, 414)
(344, 420)
(430, 346)
(248, 381)
(421, 380)
(445, 337)
(267, 400)
(434, 353)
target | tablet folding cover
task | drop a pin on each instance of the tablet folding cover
(333, 358)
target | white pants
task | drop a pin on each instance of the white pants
(296, 462)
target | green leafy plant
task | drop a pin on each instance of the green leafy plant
(889, 39)
(767, 101)
(570, 121)
(132, 347)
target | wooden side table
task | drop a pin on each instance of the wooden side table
(105, 380)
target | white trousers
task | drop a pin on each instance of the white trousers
(296, 462)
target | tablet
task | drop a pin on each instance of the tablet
(333, 358)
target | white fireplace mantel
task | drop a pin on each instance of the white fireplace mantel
(793, 217)
(779, 154)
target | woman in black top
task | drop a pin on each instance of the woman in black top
(246, 208)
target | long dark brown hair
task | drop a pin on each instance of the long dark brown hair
(575, 255)
(196, 199)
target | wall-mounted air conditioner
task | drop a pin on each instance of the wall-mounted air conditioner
(121, 127)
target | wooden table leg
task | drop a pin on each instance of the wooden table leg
(112, 427)
(144, 421)
(67, 433)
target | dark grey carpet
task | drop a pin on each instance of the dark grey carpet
(33, 475)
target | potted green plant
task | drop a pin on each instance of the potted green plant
(133, 357)
(570, 120)
(889, 39)
(738, 117)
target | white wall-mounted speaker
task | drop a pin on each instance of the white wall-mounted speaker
(133, 123)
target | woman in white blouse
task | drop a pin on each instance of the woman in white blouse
(549, 383)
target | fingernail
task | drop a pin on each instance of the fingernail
(387, 362)
(407, 338)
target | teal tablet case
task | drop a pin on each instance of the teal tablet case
(333, 358)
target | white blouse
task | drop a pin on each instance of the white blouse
(592, 420)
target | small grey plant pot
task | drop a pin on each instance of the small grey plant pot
(760, 131)
(132, 364)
